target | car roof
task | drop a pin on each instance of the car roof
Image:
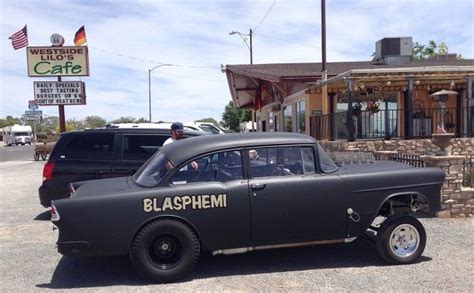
(132, 130)
(181, 150)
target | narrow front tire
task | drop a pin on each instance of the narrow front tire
(401, 239)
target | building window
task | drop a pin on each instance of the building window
(288, 125)
(300, 116)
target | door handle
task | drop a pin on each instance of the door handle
(258, 186)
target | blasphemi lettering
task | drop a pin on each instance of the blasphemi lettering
(177, 203)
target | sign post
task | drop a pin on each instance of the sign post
(33, 115)
(58, 61)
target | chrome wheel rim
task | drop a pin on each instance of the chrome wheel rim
(404, 240)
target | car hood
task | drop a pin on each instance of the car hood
(102, 187)
(372, 167)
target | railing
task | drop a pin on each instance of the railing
(413, 160)
(391, 123)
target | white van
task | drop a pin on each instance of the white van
(17, 134)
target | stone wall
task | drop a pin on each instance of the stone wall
(459, 146)
(458, 200)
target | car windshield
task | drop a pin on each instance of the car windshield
(21, 134)
(153, 171)
(209, 128)
(327, 165)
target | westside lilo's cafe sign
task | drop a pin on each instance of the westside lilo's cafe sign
(57, 61)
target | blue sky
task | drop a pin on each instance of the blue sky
(126, 38)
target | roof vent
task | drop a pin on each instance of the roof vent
(393, 50)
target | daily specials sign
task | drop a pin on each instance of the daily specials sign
(49, 93)
(57, 61)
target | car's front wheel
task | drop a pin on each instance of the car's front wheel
(401, 239)
(165, 251)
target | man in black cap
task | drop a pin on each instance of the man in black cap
(177, 134)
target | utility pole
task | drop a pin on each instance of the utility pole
(251, 50)
(324, 72)
(323, 33)
(242, 36)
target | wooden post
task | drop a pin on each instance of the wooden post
(350, 121)
(409, 109)
(470, 106)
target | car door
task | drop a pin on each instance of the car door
(85, 156)
(220, 209)
(135, 150)
(289, 200)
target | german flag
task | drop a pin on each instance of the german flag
(80, 37)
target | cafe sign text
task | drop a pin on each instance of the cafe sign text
(58, 61)
(49, 93)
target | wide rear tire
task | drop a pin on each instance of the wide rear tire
(165, 251)
(401, 239)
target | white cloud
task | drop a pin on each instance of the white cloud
(196, 33)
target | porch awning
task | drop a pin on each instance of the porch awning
(398, 76)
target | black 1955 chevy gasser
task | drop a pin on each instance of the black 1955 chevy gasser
(249, 192)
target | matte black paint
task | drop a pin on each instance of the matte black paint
(106, 214)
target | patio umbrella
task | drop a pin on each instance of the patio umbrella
(442, 96)
(443, 93)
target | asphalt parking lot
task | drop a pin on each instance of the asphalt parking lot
(29, 261)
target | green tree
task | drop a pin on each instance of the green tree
(142, 120)
(94, 122)
(232, 117)
(49, 124)
(72, 124)
(9, 120)
(245, 115)
(209, 120)
(127, 119)
(422, 52)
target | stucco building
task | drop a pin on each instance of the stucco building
(389, 96)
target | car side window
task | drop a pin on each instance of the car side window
(220, 167)
(141, 147)
(281, 161)
(308, 160)
(89, 146)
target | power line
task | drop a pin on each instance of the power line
(151, 61)
(190, 77)
(263, 18)
(166, 73)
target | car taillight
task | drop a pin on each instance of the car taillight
(48, 171)
(54, 213)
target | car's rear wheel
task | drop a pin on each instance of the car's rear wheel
(401, 239)
(165, 251)
(36, 156)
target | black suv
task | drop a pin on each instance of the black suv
(97, 154)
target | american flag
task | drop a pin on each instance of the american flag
(19, 39)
